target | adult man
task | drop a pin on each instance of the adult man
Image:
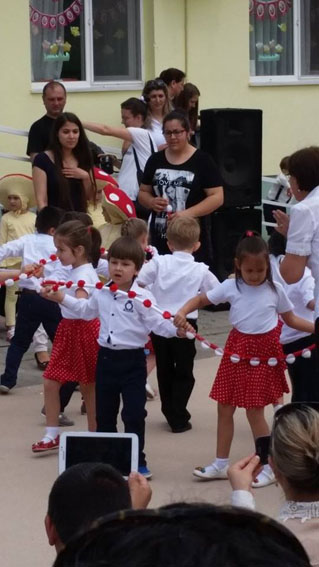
(54, 100)
(174, 80)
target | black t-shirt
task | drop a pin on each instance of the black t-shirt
(39, 135)
(183, 185)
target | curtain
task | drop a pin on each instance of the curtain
(45, 70)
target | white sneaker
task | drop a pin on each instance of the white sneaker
(211, 472)
(150, 393)
(264, 478)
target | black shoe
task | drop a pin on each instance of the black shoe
(41, 365)
(185, 427)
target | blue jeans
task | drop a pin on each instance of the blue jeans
(122, 373)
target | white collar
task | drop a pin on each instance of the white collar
(301, 510)
(182, 254)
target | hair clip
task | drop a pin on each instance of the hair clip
(249, 233)
(89, 229)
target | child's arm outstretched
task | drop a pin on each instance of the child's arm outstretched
(197, 302)
(298, 323)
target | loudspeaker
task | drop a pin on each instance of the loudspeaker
(233, 137)
(227, 229)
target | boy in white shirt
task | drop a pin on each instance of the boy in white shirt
(174, 278)
(125, 326)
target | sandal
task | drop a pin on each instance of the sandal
(41, 365)
(42, 446)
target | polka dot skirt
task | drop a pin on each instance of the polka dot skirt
(246, 386)
(74, 352)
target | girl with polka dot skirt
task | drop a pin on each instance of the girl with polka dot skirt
(75, 346)
(251, 373)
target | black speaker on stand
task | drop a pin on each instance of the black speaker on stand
(233, 137)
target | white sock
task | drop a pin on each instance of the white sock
(267, 469)
(220, 463)
(51, 432)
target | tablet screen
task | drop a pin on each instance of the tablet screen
(115, 451)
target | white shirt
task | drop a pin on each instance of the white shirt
(253, 309)
(300, 294)
(102, 268)
(125, 323)
(87, 273)
(156, 129)
(127, 178)
(175, 278)
(33, 248)
(281, 186)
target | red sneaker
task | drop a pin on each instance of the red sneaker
(42, 446)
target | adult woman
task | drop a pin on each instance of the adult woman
(302, 229)
(155, 95)
(187, 101)
(63, 175)
(182, 178)
(294, 457)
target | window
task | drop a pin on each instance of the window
(284, 41)
(91, 44)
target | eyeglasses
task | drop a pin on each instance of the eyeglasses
(170, 133)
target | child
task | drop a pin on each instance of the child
(173, 279)
(33, 310)
(303, 372)
(15, 194)
(279, 193)
(74, 353)
(255, 302)
(125, 325)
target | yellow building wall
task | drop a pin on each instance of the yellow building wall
(207, 38)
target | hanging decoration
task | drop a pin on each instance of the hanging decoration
(51, 21)
(272, 9)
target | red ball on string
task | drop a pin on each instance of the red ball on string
(102, 251)
(113, 287)
(99, 285)
(131, 294)
(147, 303)
(81, 283)
(43, 262)
(53, 257)
(68, 285)
(166, 315)
(55, 287)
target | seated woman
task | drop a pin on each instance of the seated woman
(294, 457)
(63, 175)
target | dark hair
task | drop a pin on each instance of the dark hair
(126, 248)
(251, 243)
(177, 115)
(277, 244)
(136, 106)
(82, 494)
(155, 85)
(188, 535)
(172, 74)
(284, 163)
(304, 166)
(53, 85)
(75, 233)
(182, 102)
(84, 218)
(48, 217)
(81, 152)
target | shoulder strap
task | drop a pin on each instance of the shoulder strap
(136, 161)
(152, 145)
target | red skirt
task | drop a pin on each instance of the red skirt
(74, 352)
(245, 386)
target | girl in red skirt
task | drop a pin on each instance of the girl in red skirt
(249, 375)
(75, 346)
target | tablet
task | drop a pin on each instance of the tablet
(117, 449)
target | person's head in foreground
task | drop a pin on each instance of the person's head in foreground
(303, 169)
(80, 495)
(185, 535)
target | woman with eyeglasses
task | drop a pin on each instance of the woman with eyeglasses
(180, 181)
(294, 457)
(155, 96)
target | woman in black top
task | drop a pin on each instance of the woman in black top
(180, 181)
(63, 175)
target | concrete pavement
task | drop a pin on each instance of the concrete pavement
(26, 479)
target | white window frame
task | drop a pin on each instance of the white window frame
(89, 85)
(297, 78)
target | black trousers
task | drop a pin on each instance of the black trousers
(122, 373)
(304, 372)
(174, 364)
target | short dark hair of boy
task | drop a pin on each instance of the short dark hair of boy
(277, 244)
(172, 74)
(183, 232)
(136, 106)
(48, 217)
(84, 218)
(304, 166)
(126, 248)
(284, 163)
(82, 494)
